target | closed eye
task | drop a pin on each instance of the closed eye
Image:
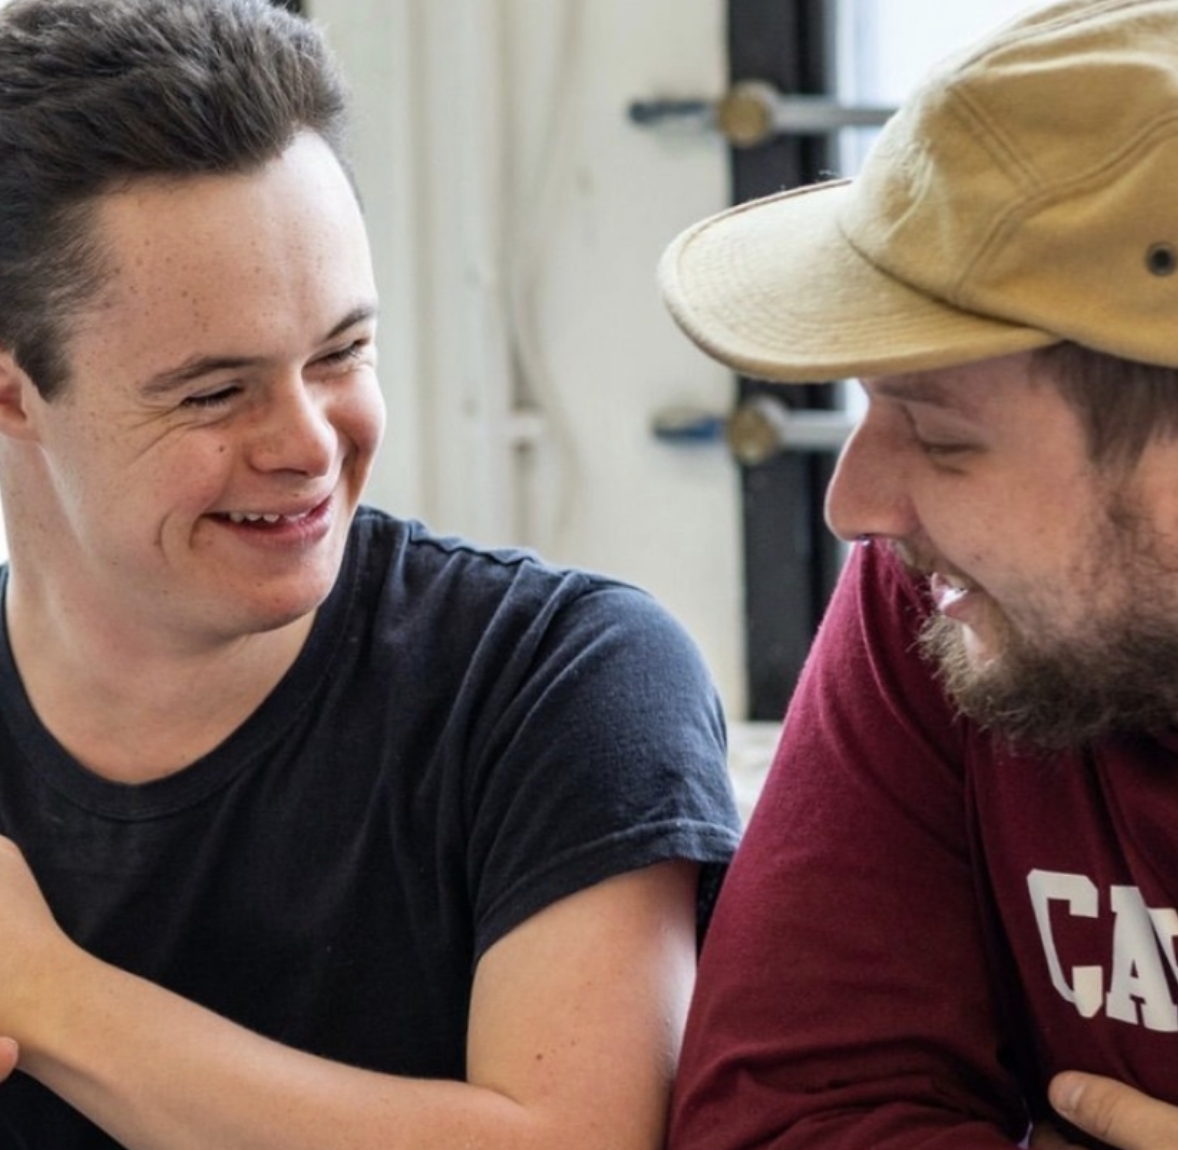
(936, 446)
(941, 449)
(345, 355)
(211, 399)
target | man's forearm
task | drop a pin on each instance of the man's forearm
(160, 1073)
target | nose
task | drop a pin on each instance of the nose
(869, 494)
(294, 430)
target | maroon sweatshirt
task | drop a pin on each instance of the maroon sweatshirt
(921, 925)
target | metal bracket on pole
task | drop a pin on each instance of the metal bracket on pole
(753, 112)
(763, 427)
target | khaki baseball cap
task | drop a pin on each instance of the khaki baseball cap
(1026, 194)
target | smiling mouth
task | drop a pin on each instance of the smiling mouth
(947, 591)
(265, 518)
(253, 517)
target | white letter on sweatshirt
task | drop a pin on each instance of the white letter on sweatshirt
(1086, 990)
(1138, 974)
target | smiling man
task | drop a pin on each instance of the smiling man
(316, 830)
(955, 912)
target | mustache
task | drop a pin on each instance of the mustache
(924, 561)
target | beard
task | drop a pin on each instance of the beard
(1115, 672)
(1064, 694)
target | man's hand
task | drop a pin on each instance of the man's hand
(1111, 1111)
(28, 925)
(33, 947)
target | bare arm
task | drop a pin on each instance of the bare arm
(574, 1029)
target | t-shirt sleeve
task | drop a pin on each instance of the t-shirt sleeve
(601, 750)
(843, 998)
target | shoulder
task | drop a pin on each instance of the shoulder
(500, 590)
(879, 591)
(409, 552)
(875, 617)
(867, 686)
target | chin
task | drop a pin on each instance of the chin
(279, 612)
(279, 621)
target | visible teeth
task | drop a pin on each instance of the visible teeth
(252, 517)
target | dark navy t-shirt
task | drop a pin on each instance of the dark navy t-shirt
(467, 736)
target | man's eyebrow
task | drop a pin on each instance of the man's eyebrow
(918, 388)
(201, 365)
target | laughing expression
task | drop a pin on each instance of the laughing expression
(199, 472)
(1052, 582)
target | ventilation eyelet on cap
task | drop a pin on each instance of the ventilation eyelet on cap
(1162, 260)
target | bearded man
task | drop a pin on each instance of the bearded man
(953, 918)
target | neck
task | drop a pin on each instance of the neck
(130, 707)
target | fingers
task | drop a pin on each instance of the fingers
(1115, 1113)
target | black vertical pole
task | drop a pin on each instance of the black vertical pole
(790, 557)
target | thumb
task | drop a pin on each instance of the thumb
(1113, 1112)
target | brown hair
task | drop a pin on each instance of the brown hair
(1123, 404)
(95, 93)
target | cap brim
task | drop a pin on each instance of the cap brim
(774, 289)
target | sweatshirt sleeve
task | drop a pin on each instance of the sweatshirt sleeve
(844, 1000)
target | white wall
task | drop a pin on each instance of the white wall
(517, 217)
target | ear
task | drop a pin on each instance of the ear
(18, 393)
